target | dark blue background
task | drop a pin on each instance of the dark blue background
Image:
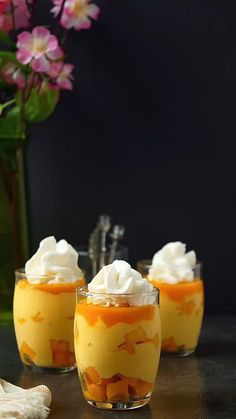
(147, 136)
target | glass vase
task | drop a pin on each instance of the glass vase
(13, 221)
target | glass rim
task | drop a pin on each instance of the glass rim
(148, 262)
(86, 293)
(21, 272)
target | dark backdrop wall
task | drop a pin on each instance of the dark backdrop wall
(147, 136)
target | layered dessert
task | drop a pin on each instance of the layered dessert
(117, 338)
(44, 305)
(177, 275)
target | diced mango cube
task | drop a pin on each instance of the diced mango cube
(59, 345)
(27, 353)
(118, 391)
(143, 388)
(136, 336)
(126, 346)
(97, 392)
(61, 354)
(169, 345)
(93, 375)
(113, 379)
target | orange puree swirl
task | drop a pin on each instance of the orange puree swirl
(53, 288)
(179, 291)
(111, 315)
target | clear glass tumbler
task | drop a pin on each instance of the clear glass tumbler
(181, 309)
(117, 347)
(43, 318)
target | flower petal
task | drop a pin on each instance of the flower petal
(65, 84)
(41, 32)
(66, 21)
(23, 56)
(19, 78)
(67, 69)
(83, 24)
(93, 11)
(56, 54)
(24, 39)
(40, 65)
(55, 69)
(52, 43)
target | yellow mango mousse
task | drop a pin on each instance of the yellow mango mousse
(117, 350)
(181, 309)
(43, 320)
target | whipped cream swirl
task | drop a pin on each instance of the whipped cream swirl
(53, 263)
(119, 280)
(172, 264)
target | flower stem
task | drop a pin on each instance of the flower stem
(6, 104)
(13, 16)
(64, 37)
(22, 205)
(22, 112)
(31, 85)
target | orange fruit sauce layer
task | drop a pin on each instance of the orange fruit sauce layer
(53, 288)
(179, 291)
(111, 315)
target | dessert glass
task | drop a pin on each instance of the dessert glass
(43, 318)
(181, 310)
(117, 347)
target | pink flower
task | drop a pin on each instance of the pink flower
(13, 75)
(57, 7)
(77, 14)
(5, 23)
(3, 4)
(64, 78)
(22, 15)
(38, 48)
(5, 16)
(61, 75)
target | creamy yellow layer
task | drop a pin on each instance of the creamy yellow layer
(181, 320)
(43, 319)
(114, 349)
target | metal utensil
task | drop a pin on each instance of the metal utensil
(104, 224)
(116, 235)
(93, 249)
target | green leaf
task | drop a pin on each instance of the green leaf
(40, 105)
(9, 56)
(6, 318)
(6, 104)
(11, 136)
(10, 128)
(5, 39)
(3, 85)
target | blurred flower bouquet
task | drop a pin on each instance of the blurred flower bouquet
(33, 66)
(33, 71)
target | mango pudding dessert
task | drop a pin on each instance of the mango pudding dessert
(44, 306)
(178, 277)
(117, 338)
